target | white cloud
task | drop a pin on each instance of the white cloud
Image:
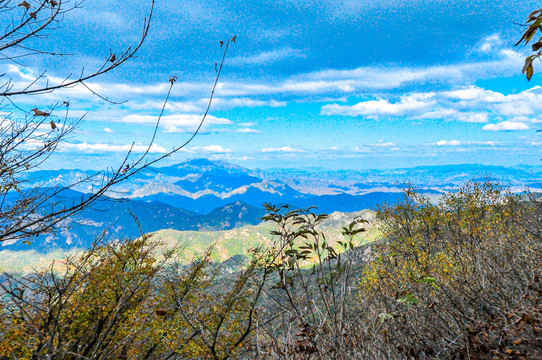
(21, 72)
(228, 103)
(490, 43)
(472, 104)
(85, 147)
(407, 104)
(216, 149)
(506, 126)
(475, 93)
(176, 123)
(488, 143)
(383, 144)
(473, 117)
(448, 143)
(527, 102)
(363, 150)
(282, 149)
(458, 143)
(247, 131)
(108, 130)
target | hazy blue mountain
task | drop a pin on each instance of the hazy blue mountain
(217, 182)
(215, 195)
(122, 219)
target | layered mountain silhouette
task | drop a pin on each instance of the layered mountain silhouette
(201, 194)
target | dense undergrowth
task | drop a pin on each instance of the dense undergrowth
(456, 280)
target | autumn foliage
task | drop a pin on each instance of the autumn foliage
(457, 279)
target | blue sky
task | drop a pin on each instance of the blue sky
(350, 84)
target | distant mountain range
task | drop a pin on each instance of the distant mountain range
(200, 194)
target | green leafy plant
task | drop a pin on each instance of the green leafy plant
(533, 27)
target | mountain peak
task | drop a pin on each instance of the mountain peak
(202, 165)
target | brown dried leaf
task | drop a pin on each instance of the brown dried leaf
(53, 125)
(25, 4)
(40, 113)
(32, 15)
(53, 3)
(161, 312)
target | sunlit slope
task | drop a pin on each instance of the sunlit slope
(225, 243)
(239, 241)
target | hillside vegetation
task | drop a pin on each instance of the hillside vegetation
(456, 280)
(225, 243)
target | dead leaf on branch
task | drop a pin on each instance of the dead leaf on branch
(53, 3)
(40, 113)
(53, 125)
(32, 15)
(25, 4)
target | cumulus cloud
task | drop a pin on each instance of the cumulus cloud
(406, 105)
(506, 126)
(472, 104)
(527, 102)
(281, 149)
(85, 147)
(108, 130)
(473, 117)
